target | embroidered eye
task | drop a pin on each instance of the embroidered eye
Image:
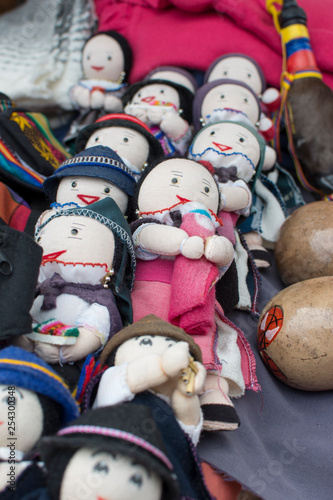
(161, 91)
(212, 132)
(38, 239)
(107, 190)
(101, 467)
(74, 184)
(74, 231)
(206, 189)
(241, 139)
(145, 341)
(88, 58)
(249, 75)
(136, 479)
(225, 72)
(126, 139)
(139, 94)
(246, 99)
(109, 58)
(174, 180)
(222, 96)
(96, 139)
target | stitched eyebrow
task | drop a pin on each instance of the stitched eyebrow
(177, 172)
(206, 182)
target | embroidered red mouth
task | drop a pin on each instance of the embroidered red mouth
(222, 147)
(97, 68)
(183, 200)
(52, 256)
(148, 99)
(88, 199)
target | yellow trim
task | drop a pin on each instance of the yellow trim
(271, 9)
(293, 32)
(35, 366)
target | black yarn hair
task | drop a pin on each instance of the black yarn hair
(125, 47)
(52, 413)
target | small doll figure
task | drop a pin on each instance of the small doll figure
(108, 454)
(94, 174)
(244, 68)
(166, 107)
(238, 154)
(34, 401)
(231, 100)
(85, 279)
(174, 74)
(156, 364)
(180, 257)
(128, 136)
(106, 63)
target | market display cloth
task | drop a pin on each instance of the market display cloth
(40, 50)
(193, 33)
(283, 447)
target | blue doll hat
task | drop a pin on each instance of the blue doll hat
(25, 369)
(98, 162)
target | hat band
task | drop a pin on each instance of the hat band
(118, 434)
(95, 159)
(35, 366)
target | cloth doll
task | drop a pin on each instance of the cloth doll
(174, 74)
(180, 257)
(232, 100)
(128, 136)
(244, 68)
(85, 278)
(91, 175)
(154, 363)
(106, 63)
(238, 154)
(111, 453)
(166, 107)
(34, 401)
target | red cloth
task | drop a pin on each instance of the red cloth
(193, 33)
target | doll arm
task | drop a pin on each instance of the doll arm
(236, 198)
(187, 407)
(159, 239)
(112, 103)
(219, 250)
(113, 388)
(174, 126)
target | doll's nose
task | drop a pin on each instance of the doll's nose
(221, 147)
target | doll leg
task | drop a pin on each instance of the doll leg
(261, 256)
(218, 411)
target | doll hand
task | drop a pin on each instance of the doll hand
(175, 359)
(87, 342)
(81, 96)
(219, 250)
(137, 111)
(112, 103)
(192, 247)
(192, 382)
(48, 352)
(97, 99)
(173, 125)
(155, 115)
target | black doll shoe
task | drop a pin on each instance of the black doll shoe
(220, 417)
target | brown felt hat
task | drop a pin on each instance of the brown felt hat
(150, 325)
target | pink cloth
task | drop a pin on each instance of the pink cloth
(193, 33)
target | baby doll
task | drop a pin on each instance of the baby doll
(231, 100)
(128, 136)
(238, 154)
(244, 68)
(180, 257)
(174, 74)
(108, 454)
(106, 63)
(34, 402)
(85, 279)
(166, 107)
(154, 363)
(95, 173)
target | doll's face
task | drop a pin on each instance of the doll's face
(87, 190)
(176, 179)
(74, 239)
(21, 418)
(237, 68)
(231, 96)
(103, 58)
(94, 474)
(173, 76)
(156, 94)
(137, 347)
(129, 144)
(228, 144)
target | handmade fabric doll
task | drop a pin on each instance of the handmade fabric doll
(106, 63)
(154, 363)
(34, 401)
(231, 100)
(95, 173)
(244, 68)
(166, 107)
(128, 136)
(238, 154)
(179, 259)
(85, 278)
(111, 453)
(174, 74)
